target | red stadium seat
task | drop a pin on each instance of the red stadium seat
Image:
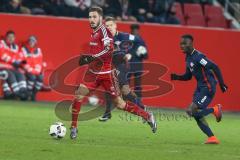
(212, 11)
(181, 18)
(197, 20)
(221, 22)
(194, 15)
(192, 10)
(215, 17)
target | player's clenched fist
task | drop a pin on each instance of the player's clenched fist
(223, 87)
(174, 76)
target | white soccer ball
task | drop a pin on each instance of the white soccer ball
(141, 50)
(93, 100)
(57, 130)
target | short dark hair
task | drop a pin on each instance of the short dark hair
(10, 32)
(99, 10)
(109, 18)
(135, 26)
(188, 36)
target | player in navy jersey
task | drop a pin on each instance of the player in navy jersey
(124, 42)
(203, 69)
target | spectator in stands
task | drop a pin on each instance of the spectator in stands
(15, 6)
(163, 15)
(139, 9)
(81, 5)
(33, 67)
(57, 8)
(100, 3)
(36, 6)
(126, 11)
(171, 16)
(113, 8)
(154, 11)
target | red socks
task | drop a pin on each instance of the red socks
(134, 109)
(76, 107)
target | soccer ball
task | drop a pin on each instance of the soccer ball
(57, 130)
(93, 100)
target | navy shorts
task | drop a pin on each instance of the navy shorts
(203, 96)
(122, 72)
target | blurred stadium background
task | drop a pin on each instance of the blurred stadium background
(62, 32)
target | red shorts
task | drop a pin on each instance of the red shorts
(108, 82)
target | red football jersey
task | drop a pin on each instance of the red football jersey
(101, 47)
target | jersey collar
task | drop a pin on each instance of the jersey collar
(100, 26)
(116, 33)
(193, 51)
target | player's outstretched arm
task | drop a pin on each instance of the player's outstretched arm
(185, 77)
(219, 76)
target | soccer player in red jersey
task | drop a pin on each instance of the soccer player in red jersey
(100, 64)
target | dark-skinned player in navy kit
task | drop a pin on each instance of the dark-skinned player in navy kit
(203, 69)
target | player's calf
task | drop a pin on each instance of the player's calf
(80, 93)
(119, 103)
(192, 108)
(131, 96)
(131, 108)
(125, 90)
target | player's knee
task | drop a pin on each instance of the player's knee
(79, 97)
(191, 110)
(119, 103)
(81, 92)
(125, 90)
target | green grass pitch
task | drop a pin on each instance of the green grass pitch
(24, 135)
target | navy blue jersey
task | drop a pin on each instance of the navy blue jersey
(199, 66)
(120, 50)
(124, 43)
(135, 42)
(204, 71)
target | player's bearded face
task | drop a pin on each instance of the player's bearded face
(94, 19)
